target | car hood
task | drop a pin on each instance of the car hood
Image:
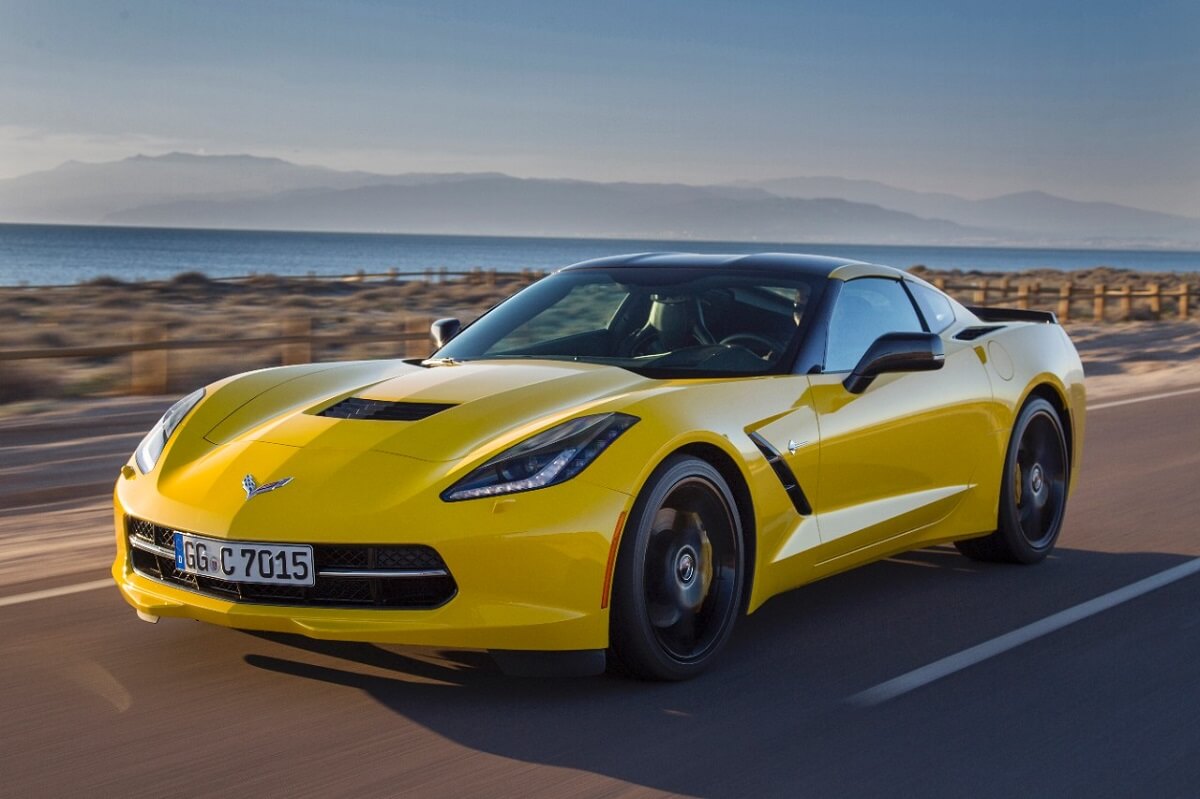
(494, 403)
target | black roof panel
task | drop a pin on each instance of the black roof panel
(816, 265)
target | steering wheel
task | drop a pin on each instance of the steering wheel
(763, 347)
(646, 340)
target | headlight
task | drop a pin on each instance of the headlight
(550, 457)
(151, 448)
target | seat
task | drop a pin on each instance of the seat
(674, 322)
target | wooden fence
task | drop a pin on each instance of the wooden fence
(1069, 301)
(1098, 303)
(150, 350)
(475, 276)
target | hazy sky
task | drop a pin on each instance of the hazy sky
(1092, 100)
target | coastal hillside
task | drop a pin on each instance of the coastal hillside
(250, 192)
(1033, 213)
(503, 205)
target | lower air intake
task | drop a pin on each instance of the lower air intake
(411, 576)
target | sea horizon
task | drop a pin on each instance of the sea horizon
(47, 254)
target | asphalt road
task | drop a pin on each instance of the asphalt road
(95, 702)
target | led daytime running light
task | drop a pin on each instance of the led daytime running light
(151, 447)
(553, 456)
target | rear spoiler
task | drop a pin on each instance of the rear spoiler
(1012, 315)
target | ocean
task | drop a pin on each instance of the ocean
(43, 255)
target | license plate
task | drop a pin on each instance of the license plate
(245, 562)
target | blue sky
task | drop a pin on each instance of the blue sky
(1092, 100)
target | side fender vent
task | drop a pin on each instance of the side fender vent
(785, 474)
(382, 410)
(972, 333)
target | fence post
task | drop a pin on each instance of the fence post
(421, 343)
(149, 366)
(1183, 300)
(1064, 301)
(1003, 290)
(1098, 302)
(1155, 295)
(299, 351)
(940, 283)
(981, 293)
(1023, 296)
(1125, 304)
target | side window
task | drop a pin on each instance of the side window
(936, 309)
(866, 309)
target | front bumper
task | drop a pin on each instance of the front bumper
(530, 568)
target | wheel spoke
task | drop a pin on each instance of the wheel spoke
(685, 628)
(1027, 455)
(1043, 452)
(665, 520)
(1039, 522)
(1028, 514)
(663, 615)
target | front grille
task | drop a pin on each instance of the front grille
(420, 588)
(382, 410)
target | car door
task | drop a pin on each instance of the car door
(900, 455)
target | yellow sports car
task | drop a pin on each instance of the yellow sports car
(621, 459)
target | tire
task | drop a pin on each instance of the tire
(1033, 491)
(677, 588)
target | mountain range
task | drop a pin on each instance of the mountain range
(251, 192)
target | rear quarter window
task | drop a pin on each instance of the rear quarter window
(937, 310)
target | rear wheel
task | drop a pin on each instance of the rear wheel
(678, 582)
(1033, 492)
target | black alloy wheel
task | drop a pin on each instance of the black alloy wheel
(1033, 492)
(678, 583)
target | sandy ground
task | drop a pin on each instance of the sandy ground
(1119, 358)
(1138, 357)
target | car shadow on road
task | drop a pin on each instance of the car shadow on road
(771, 714)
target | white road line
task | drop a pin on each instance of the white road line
(49, 593)
(1164, 395)
(988, 649)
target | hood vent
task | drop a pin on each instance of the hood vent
(382, 410)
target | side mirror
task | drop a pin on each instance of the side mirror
(896, 352)
(443, 330)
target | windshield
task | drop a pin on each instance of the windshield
(663, 322)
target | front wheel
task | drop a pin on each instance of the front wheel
(1033, 491)
(678, 583)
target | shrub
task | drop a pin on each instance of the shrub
(20, 382)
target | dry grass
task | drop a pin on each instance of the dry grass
(191, 306)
